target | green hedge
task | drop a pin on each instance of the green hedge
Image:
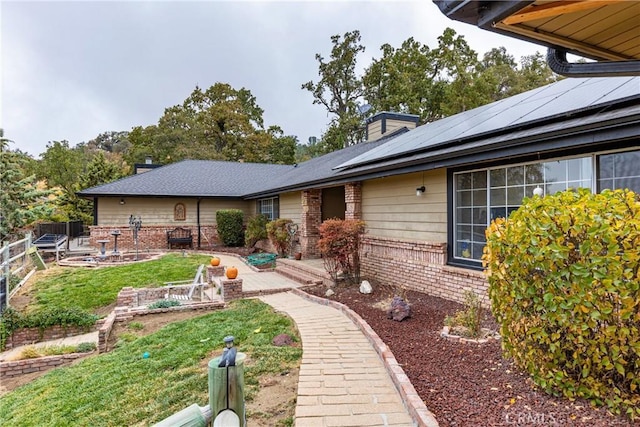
(564, 283)
(230, 229)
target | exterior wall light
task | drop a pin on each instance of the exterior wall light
(420, 191)
(122, 202)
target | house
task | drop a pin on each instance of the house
(426, 194)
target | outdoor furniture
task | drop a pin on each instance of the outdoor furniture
(195, 282)
(52, 243)
(179, 236)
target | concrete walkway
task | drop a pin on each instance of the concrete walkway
(343, 381)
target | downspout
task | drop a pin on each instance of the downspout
(557, 60)
(198, 220)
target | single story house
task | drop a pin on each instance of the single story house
(426, 193)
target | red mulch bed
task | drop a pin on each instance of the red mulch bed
(464, 384)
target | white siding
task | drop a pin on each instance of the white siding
(391, 208)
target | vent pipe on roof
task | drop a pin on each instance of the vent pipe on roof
(557, 60)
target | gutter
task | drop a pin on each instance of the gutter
(557, 60)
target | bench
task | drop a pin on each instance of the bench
(179, 236)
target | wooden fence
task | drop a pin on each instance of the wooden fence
(18, 261)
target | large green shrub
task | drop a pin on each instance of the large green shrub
(279, 235)
(564, 283)
(230, 229)
(256, 230)
(339, 245)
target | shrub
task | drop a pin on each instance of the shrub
(164, 303)
(256, 230)
(279, 235)
(230, 230)
(564, 283)
(471, 317)
(85, 347)
(339, 245)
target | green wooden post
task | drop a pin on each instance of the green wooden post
(191, 416)
(230, 378)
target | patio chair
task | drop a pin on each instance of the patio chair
(195, 282)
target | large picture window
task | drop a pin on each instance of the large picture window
(269, 207)
(481, 196)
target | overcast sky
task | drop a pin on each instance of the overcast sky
(72, 70)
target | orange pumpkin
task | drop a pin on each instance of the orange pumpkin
(215, 261)
(232, 273)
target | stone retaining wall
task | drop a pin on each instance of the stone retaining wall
(26, 336)
(27, 366)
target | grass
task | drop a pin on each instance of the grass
(123, 388)
(91, 288)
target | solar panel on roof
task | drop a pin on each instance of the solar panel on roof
(563, 97)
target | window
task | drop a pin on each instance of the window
(484, 195)
(481, 196)
(269, 207)
(619, 171)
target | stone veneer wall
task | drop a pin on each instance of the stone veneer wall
(419, 266)
(149, 237)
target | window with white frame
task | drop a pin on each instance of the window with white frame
(486, 194)
(269, 207)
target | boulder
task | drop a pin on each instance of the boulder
(365, 287)
(399, 309)
(329, 293)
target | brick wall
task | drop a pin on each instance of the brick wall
(26, 366)
(149, 237)
(27, 336)
(353, 200)
(419, 266)
(310, 219)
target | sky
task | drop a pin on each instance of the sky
(72, 70)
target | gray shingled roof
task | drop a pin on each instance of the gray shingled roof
(193, 178)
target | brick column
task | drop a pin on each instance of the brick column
(213, 272)
(231, 289)
(311, 218)
(353, 200)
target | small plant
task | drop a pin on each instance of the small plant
(29, 352)
(279, 235)
(468, 321)
(339, 245)
(256, 230)
(164, 303)
(136, 326)
(86, 347)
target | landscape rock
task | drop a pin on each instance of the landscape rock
(329, 293)
(399, 309)
(365, 287)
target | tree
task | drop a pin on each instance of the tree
(405, 80)
(220, 123)
(21, 202)
(339, 90)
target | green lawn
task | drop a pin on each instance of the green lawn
(92, 288)
(121, 388)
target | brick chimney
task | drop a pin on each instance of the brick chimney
(383, 123)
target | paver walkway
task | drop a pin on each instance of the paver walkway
(342, 381)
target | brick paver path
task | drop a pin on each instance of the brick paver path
(342, 381)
